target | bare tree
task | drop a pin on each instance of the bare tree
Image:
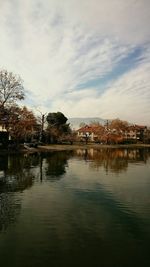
(41, 119)
(11, 89)
(118, 125)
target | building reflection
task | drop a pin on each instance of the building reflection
(113, 159)
(18, 172)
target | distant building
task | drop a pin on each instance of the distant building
(88, 132)
(133, 133)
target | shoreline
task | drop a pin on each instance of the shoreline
(65, 147)
(88, 146)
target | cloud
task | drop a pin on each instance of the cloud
(124, 19)
(127, 97)
(70, 55)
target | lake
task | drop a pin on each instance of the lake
(75, 208)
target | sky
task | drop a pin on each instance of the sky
(85, 58)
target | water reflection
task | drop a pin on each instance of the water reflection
(16, 175)
(54, 164)
(10, 207)
(66, 206)
(115, 160)
(18, 172)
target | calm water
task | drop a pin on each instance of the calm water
(81, 208)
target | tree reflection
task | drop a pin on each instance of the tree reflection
(113, 159)
(56, 164)
(16, 174)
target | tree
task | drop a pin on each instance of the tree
(22, 124)
(11, 89)
(56, 119)
(118, 125)
(41, 121)
(57, 126)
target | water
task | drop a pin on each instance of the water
(75, 208)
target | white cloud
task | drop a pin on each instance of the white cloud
(60, 46)
(127, 98)
(124, 19)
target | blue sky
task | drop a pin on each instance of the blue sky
(87, 58)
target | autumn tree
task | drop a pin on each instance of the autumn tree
(118, 125)
(114, 131)
(22, 124)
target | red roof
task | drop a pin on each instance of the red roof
(137, 127)
(87, 128)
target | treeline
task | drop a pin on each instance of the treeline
(20, 123)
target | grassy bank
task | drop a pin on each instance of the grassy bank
(64, 147)
(88, 146)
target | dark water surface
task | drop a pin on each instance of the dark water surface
(81, 208)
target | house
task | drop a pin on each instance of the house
(135, 132)
(99, 133)
(89, 133)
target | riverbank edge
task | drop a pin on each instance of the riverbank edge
(47, 148)
(61, 147)
(88, 146)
